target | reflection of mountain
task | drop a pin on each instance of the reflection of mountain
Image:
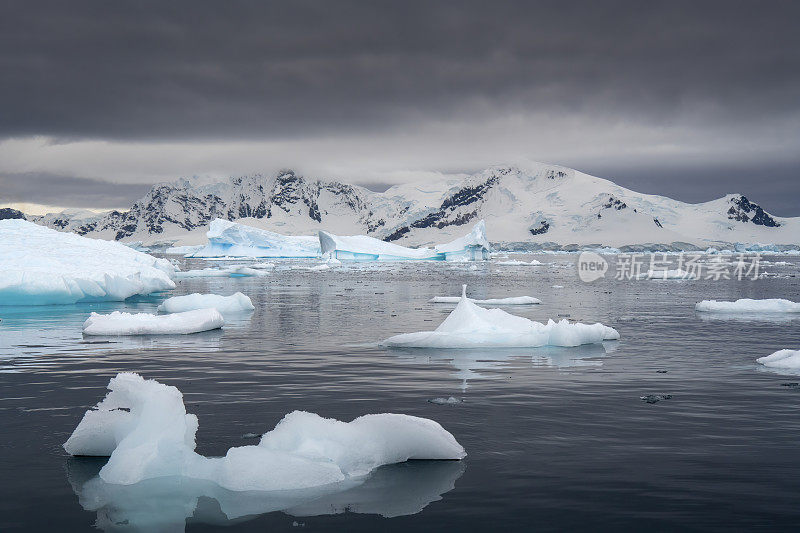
(165, 504)
(469, 363)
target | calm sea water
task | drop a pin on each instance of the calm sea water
(557, 438)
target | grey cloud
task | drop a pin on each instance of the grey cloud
(153, 70)
(68, 191)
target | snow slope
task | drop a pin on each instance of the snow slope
(40, 266)
(545, 205)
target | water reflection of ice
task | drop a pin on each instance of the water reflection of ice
(772, 318)
(165, 504)
(470, 363)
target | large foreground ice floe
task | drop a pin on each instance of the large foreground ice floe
(471, 326)
(782, 360)
(239, 240)
(41, 266)
(474, 246)
(747, 305)
(144, 428)
(118, 323)
(235, 303)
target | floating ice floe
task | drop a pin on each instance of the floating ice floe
(471, 326)
(230, 239)
(452, 400)
(471, 247)
(235, 303)
(513, 300)
(750, 306)
(144, 428)
(515, 262)
(118, 323)
(41, 266)
(230, 272)
(782, 359)
(666, 274)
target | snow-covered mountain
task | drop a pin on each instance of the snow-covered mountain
(538, 204)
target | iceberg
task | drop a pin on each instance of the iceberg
(118, 323)
(471, 326)
(235, 303)
(513, 300)
(143, 426)
(230, 239)
(41, 266)
(747, 305)
(471, 247)
(782, 359)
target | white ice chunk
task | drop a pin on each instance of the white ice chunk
(747, 305)
(782, 359)
(471, 326)
(118, 323)
(512, 300)
(472, 247)
(144, 427)
(235, 303)
(41, 266)
(666, 274)
(182, 250)
(230, 239)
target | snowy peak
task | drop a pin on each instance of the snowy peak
(535, 204)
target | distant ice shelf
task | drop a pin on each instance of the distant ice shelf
(471, 326)
(144, 427)
(41, 266)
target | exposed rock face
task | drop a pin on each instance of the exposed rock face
(743, 210)
(7, 212)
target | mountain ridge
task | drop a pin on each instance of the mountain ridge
(533, 204)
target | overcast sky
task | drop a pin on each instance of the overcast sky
(693, 100)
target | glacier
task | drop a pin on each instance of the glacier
(119, 323)
(472, 247)
(143, 426)
(235, 303)
(41, 266)
(472, 326)
(749, 306)
(231, 239)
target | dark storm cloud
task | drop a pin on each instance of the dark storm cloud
(68, 191)
(223, 70)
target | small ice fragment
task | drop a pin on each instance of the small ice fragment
(452, 400)
(782, 359)
(748, 305)
(655, 398)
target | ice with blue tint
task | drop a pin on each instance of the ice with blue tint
(41, 266)
(230, 239)
(472, 247)
(472, 326)
(144, 427)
